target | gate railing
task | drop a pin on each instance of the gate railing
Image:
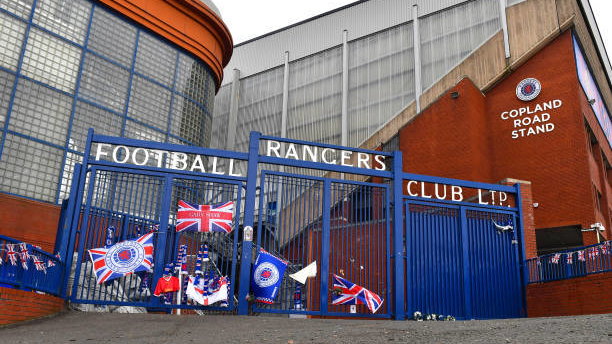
(48, 279)
(572, 263)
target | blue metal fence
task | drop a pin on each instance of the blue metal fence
(573, 263)
(47, 279)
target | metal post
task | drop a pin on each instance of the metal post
(233, 112)
(285, 104)
(398, 234)
(345, 88)
(504, 24)
(467, 273)
(325, 237)
(162, 232)
(417, 56)
(249, 215)
(523, 258)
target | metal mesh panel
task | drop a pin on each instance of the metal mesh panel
(194, 79)
(260, 106)
(221, 117)
(51, 60)
(105, 29)
(29, 168)
(6, 87)
(41, 112)
(449, 36)
(381, 80)
(155, 59)
(68, 19)
(11, 39)
(315, 97)
(104, 83)
(22, 8)
(137, 131)
(87, 116)
(190, 121)
(149, 103)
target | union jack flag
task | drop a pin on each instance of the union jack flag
(123, 258)
(11, 254)
(24, 255)
(205, 218)
(569, 258)
(604, 248)
(555, 258)
(50, 263)
(581, 256)
(39, 264)
(353, 294)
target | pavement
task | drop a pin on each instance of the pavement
(78, 327)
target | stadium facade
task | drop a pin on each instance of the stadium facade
(136, 69)
(441, 81)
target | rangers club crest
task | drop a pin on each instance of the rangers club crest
(528, 89)
(266, 275)
(125, 257)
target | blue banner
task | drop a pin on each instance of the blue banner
(268, 272)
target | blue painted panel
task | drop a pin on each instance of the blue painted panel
(434, 280)
(494, 262)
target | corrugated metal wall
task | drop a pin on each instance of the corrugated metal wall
(380, 64)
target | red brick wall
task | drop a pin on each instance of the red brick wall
(576, 296)
(29, 221)
(18, 305)
(464, 137)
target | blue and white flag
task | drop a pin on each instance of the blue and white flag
(122, 258)
(268, 274)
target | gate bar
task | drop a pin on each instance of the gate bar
(398, 235)
(249, 210)
(325, 238)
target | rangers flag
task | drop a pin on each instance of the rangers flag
(205, 218)
(349, 293)
(122, 258)
(268, 272)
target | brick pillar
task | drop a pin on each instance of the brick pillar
(531, 249)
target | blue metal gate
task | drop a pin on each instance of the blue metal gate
(343, 226)
(421, 247)
(136, 201)
(463, 259)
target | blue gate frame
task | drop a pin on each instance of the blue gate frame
(331, 225)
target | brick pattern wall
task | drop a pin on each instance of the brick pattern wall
(576, 296)
(19, 305)
(29, 221)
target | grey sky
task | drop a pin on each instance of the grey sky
(249, 19)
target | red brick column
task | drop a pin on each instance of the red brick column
(526, 205)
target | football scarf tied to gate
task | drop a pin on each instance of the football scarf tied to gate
(268, 272)
(349, 293)
(207, 291)
(205, 218)
(122, 258)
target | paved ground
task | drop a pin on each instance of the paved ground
(75, 327)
